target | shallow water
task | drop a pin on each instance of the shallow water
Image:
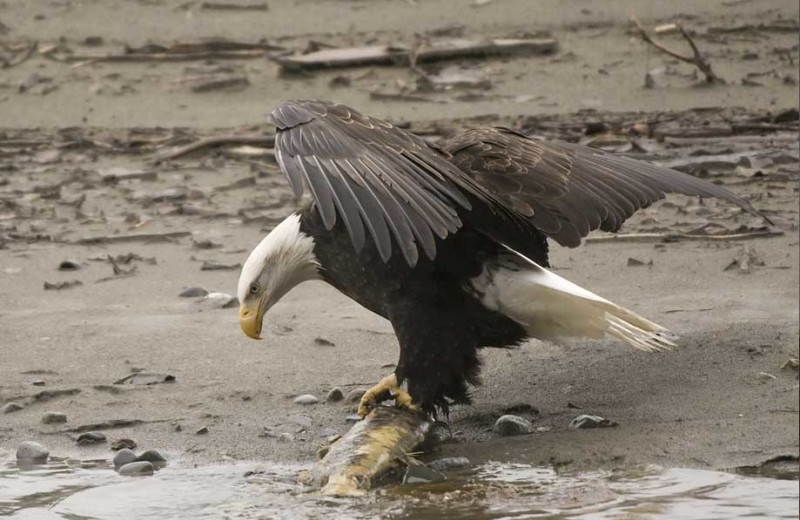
(89, 490)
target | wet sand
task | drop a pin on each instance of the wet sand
(706, 405)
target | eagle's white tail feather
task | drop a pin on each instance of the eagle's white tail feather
(550, 307)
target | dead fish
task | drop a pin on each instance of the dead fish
(368, 451)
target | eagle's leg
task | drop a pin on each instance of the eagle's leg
(382, 391)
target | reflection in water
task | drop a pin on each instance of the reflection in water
(72, 490)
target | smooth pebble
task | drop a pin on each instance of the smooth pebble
(306, 399)
(124, 456)
(137, 469)
(152, 456)
(511, 425)
(32, 451)
(335, 395)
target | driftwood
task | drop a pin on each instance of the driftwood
(697, 59)
(674, 237)
(405, 55)
(210, 142)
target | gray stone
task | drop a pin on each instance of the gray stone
(137, 469)
(285, 437)
(12, 407)
(306, 399)
(202, 431)
(54, 418)
(89, 438)
(352, 418)
(449, 463)
(124, 456)
(335, 395)
(354, 396)
(582, 422)
(32, 451)
(153, 457)
(512, 425)
(38, 382)
(422, 474)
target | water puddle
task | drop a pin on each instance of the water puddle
(90, 490)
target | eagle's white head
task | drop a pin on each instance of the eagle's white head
(282, 260)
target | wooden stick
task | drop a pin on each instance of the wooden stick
(163, 56)
(667, 237)
(264, 140)
(697, 59)
(115, 239)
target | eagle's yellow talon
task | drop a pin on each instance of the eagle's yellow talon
(369, 400)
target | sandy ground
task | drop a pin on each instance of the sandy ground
(708, 404)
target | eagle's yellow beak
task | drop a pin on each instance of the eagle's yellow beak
(250, 319)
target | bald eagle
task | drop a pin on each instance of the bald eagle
(449, 241)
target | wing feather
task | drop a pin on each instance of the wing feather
(370, 174)
(572, 189)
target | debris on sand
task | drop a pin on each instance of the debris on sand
(635, 262)
(91, 438)
(145, 378)
(436, 50)
(793, 363)
(697, 59)
(368, 451)
(54, 418)
(58, 286)
(217, 266)
(219, 300)
(12, 407)
(745, 261)
(193, 292)
(220, 6)
(586, 421)
(123, 443)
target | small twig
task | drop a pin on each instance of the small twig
(265, 140)
(697, 59)
(21, 57)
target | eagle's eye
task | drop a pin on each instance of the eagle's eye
(254, 288)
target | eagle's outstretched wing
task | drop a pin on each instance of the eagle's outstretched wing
(374, 175)
(568, 190)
